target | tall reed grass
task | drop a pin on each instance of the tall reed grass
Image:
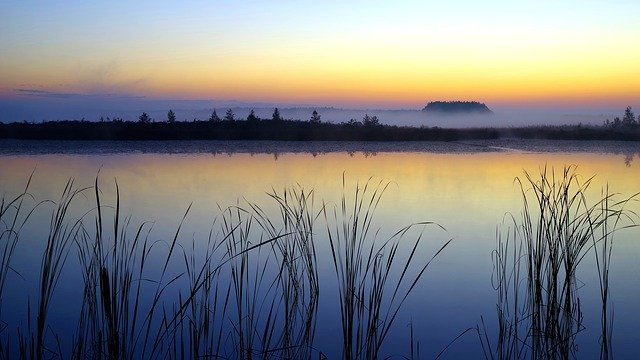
(14, 214)
(250, 290)
(536, 266)
(373, 279)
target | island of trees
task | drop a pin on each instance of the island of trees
(457, 107)
(369, 128)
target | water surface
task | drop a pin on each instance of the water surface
(467, 188)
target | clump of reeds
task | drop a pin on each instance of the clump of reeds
(13, 217)
(373, 278)
(297, 278)
(130, 310)
(116, 320)
(14, 214)
(250, 291)
(58, 243)
(536, 266)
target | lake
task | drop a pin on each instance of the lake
(467, 190)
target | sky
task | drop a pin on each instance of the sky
(360, 54)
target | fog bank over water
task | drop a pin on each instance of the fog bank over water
(49, 106)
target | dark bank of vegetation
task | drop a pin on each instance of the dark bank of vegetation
(287, 130)
(456, 107)
(254, 292)
(278, 128)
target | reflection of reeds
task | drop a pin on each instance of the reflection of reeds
(369, 297)
(536, 265)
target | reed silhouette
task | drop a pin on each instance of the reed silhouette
(251, 289)
(536, 267)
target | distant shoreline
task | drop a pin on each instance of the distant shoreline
(296, 130)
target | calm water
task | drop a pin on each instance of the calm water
(466, 188)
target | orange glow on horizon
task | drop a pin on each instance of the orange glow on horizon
(388, 72)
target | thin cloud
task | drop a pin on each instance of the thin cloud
(45, 93)
(66, 95)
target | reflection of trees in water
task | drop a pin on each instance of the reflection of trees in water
(628, 158)
(365, 153)
(277, 154)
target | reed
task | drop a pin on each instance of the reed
(370, 296)
(14, 214)
(199, 337)
(131, 310)
(250, 291)
(57, 246)
(297, 278)
(536, 265)
(114, 265)
(13, 217)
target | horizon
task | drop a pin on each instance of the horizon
(547, 56)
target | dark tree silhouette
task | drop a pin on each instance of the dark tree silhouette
(370, 120)
(276, 115)
(616, 122)
(456, 107)
(144, 118)
(353, 122)
(629, 118)
(252, 116)
(315, 117)
(229, 116)
(171, 116)
(214, 116)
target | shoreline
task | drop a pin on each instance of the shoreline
(22, 147)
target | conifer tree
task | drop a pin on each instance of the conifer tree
(171, 116)
(276, 115)
(229, 116)
(315, 117)
(214, 116)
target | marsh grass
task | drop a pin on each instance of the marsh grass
(536, 266)
(113, 322)
(13, 217)
(250, 291)
(297, 277)
(373, 278)
(31, 343)
(131, 310)
(14, 214)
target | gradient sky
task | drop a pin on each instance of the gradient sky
(389, 54)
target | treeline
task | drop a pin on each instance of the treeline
(291, 130)
(628, 120)
(228, 116)
(369, 128)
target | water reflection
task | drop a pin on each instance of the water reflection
(467, 193)
(628, 158)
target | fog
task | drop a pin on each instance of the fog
(49, 106)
